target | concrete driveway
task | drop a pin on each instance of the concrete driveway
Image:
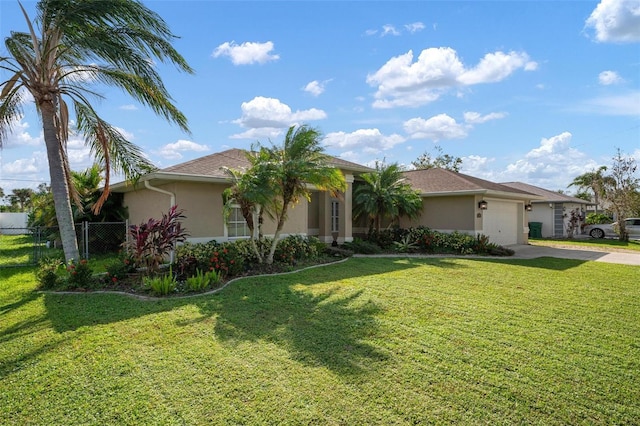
(531, 252)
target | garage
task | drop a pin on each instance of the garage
(500, 222)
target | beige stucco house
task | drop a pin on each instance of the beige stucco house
(457, 202)
(452, 202)
(196, 186)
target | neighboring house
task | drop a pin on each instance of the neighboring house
(554, 210)
(196, 186)
(457, 202)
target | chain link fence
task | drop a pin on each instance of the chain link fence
(26, 246)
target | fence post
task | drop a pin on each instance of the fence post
(85, 233)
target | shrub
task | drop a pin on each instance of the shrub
(151, 242)
(79, 274)
(226, 259)
(161, 284)
(47, 273)
(385, 237)
(596, 219)
(202, 280)
(361, 246)
(295, 248)
(405, 245)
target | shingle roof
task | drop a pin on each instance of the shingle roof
(211, 165)
(438, 180)
(549, 196)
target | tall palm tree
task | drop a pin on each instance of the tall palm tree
(71, 45)
(593, 181)
(384, 193)
(290, 169)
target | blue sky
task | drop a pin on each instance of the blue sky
(537, 92)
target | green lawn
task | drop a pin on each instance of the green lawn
(596, 244)
(367, 341)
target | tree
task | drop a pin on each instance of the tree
(593, 181)
(20, 198)
(251, 195)
(385, 193)
(621, 190)
(70, 45)
(442, 161)
(287, 171)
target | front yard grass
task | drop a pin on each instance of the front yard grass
(366, 341)
(604, 244)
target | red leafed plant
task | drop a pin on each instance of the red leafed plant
(150, 243)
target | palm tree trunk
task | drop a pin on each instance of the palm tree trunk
(274, 243)
(59, 186)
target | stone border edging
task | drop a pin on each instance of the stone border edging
(188, 296)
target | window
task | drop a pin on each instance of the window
(236, 225)
(335, 216)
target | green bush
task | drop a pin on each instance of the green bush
(161, 284)
(295, 248)
(362, 247)
(79, 274)
(202, 280)
(47, 273)
(596, 219)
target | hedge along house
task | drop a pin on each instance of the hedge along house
(196, 187)
(554, 210)
(456, 202)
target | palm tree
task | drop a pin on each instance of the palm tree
(594, 181)
(70, 45)
(385, 194)
(254, 199)
(290, 169)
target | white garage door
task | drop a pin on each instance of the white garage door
(500, 222)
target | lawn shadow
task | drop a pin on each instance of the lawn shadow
(319, 324)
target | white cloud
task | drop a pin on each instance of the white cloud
(269, 112)
(174, 150)
(414, 27)
(607, 78)
(315, 87)
(402, 82)
(20, 136)
(551, 165)
(261, 133)
(23, 166)
(472, 117)
(389, 29)
(247, 52)
(129, 107)
(439, 127)
(496, 67)
(621, 105)
(370, 141)
(616, 21)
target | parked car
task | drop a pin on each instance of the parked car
(602, 230)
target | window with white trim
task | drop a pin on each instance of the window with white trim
(236, 225)
(335, 216)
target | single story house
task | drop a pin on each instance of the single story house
(554, 210)
(457, 202)
(452, 202)
(196, 186)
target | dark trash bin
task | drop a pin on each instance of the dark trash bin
(535, 229)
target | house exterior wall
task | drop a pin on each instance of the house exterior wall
(446, 214)
(554, 218)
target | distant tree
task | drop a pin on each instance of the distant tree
(20, 198)
(384, 193)
(1, 193)
(442, 161)
(70, 47)
(593, 181)
(583, 195)
(621, 188)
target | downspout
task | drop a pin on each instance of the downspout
(172, 203)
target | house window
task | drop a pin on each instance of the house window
(335, 216)
(236, 225)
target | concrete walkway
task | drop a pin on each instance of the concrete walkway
(532, 252)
